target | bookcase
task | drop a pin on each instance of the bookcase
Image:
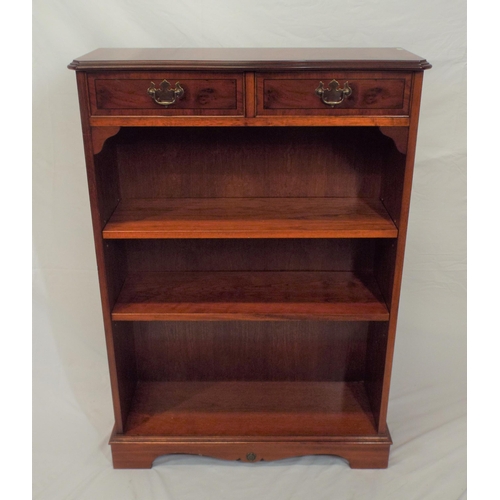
(249, 209)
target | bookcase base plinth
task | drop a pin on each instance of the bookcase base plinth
(359, 452)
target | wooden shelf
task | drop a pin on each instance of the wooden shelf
(250, 296)
(250, 409)
(250, 218)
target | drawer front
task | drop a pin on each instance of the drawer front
(186, 93)
(301, 93)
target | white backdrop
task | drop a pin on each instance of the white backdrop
(72, 402)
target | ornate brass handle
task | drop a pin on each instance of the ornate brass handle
(165, 95)
(333, 91)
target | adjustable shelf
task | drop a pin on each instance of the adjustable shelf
(250, 218)
(249, 296)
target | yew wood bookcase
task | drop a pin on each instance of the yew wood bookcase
(250, 209)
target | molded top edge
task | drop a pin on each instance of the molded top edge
(250, 59)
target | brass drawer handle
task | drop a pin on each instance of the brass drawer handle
(333, 91)
(165, 95)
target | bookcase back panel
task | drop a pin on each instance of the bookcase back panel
(300, 350)
(251, 162)
(250, 255)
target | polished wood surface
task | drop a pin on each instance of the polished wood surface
(250, 218)
(250, 246)
(307, 351)
(100, 135)
(404, 186)
(399, 135)
(103, 195)
(249, 296)
(252, 254)
(260, 121)
(372, 93)
(250, 96)
(376, 349)
(257, 162)
(132, 452)
(251, 59)
(249, 409)
(125, 93)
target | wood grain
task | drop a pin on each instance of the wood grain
(125, 93)
(376, 348)
(250, 409)
(125, 361)
(250, 218)
(249, 296)
(250, 97)
(368, 452)
(251, 162)
(374, 93)
(251, 350)
(260, 121)
(103, 197)
(100, 135)
(399, 135)
(225, 59)
(253, 254)
(405, 188)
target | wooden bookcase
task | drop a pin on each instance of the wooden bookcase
(250, 226)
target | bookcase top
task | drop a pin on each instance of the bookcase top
(395, 59)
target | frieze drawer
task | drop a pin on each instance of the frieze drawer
(333, 93)
(166, 93)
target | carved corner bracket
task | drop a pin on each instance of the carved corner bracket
(399, 135)
(100, 135)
